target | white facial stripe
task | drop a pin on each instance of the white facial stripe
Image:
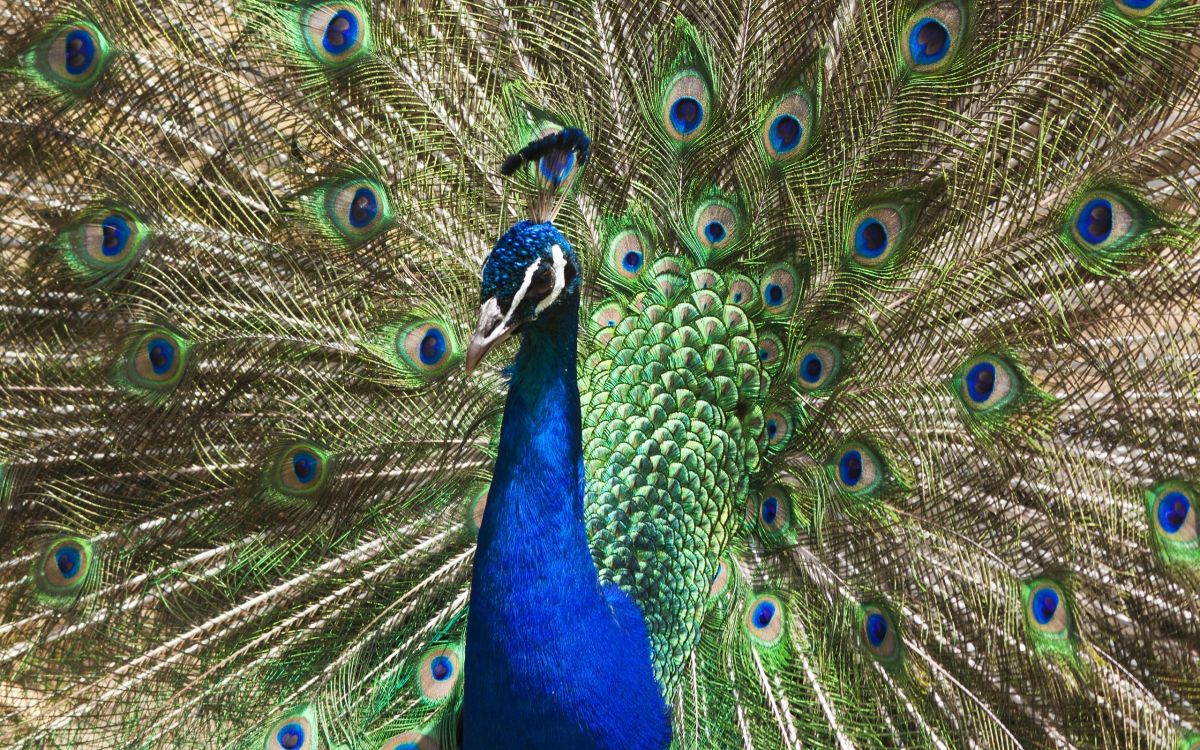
(490, 312)
(520, 295)
(560, 279)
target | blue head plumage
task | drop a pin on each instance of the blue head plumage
(530, 272)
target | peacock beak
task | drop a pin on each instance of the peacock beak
(493, 329)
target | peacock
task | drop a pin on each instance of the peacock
(386, 375)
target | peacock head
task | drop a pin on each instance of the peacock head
(530, 273)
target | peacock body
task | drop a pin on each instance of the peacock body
(861, 409)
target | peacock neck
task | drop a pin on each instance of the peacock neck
(553, 659)
(537, 482)
(533, 551)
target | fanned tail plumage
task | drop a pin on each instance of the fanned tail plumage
(888, 375)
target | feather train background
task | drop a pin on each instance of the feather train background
(889, 383)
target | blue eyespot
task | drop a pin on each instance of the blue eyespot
(877, 629)
(1094, 223)
(358, 209)
(786, 131)
(878, 634)
(104, 244)
(779, 287)
(79, 52)
(632, 261)
(981, 381)
(774, 508)
(73, 57)
(426, 348)
(931, 37)
(305, 466)
(686, 114)
(780, 425)
(291, 731)
(364, 207)
(819, 363)
(770, 509)
(626, 256)
(770, 349)
(439, 672)
(1173, 510)
(341, 33)
(432, 347)
(1044, 605)
(858, 470)
(160, 352)
(155, 362)
(300, 470)
(1137, 8)
(763, 620)
(68, 560)
(811, 368)
(290, 736)
(764, 613)
(1048, 615)
(929, 41)
(115, 235)
(850, 468)
(335, 33)
(716, 225)
(684, 107)
(1175, 522)
(870, 238)
(773, 295)
(441, 668)
(988, 383)
(877, 235)
(1101, 224)
(60, 571)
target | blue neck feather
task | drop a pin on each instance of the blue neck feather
(553, 659)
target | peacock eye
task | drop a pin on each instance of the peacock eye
(438, 672)
(542, 282)
(357, 209)
(685, 105)
(818, 364)
(876, 236)
(878, 633)
(988, 383)
(858, 469)
(785, 131)
(297, 731)
(1102, 220)
(932, 37)
(627, 255)
(336, 33)
(763, 620)
(1137, 8)
(1047, 611)
(75, 57)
